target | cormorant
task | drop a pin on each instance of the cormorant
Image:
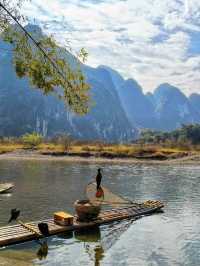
(98, 178)
(14, 215)
(44, 229)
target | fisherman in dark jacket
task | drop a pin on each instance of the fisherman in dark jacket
(98, 178)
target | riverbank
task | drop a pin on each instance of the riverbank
(192, 158)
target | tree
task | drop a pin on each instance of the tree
(32, 140)
(42, 61)
(65, 141)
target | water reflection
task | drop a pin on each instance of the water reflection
(43, 250)
(98, 241)
(92, 243)
(172, 238)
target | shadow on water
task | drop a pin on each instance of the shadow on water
(43, 250)
(92, 243)
(97, 241)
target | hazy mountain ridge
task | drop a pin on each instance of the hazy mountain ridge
(120, 106)
(173, 108)
(166, 108)
(23, 109)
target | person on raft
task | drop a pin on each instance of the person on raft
(99, 192)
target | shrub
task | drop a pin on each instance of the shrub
(32, 140)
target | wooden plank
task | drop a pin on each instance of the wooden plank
(18, 234)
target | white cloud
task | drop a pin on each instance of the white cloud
(143, 39)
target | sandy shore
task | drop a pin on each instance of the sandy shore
(34, 155)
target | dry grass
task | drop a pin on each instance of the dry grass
(49, 147)
(106, 150)
(118, 150)
(9, 147)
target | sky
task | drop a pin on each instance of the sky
(151, 41)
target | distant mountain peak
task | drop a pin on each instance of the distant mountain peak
(166, 86)
(167, 90)
(133, 85)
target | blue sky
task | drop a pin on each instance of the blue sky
(152, 41)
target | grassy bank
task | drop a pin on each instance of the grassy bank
(116, 151)
(9, 147)
(156, 152)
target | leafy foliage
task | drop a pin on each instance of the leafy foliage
(189, 134)
(32, 140)
(46, 67)
(14, 7)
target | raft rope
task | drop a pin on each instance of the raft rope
(29, 228)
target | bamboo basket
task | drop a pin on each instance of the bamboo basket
(86, 210)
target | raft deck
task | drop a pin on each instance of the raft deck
(18, 234)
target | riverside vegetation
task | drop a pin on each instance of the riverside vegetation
(151, 145)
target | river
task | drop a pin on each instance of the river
(169, 238)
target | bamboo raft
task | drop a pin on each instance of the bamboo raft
(6, 187)
(18, 234)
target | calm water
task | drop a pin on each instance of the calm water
(170, 238)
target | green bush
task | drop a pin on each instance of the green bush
(32, 140)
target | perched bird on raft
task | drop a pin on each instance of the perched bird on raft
(99, 192)
(43, 227)
(98, 178)
(14, 215)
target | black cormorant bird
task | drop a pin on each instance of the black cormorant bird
(44, 229)
(98, 178)
(14, 215)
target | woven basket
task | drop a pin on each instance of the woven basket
(86, 210)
